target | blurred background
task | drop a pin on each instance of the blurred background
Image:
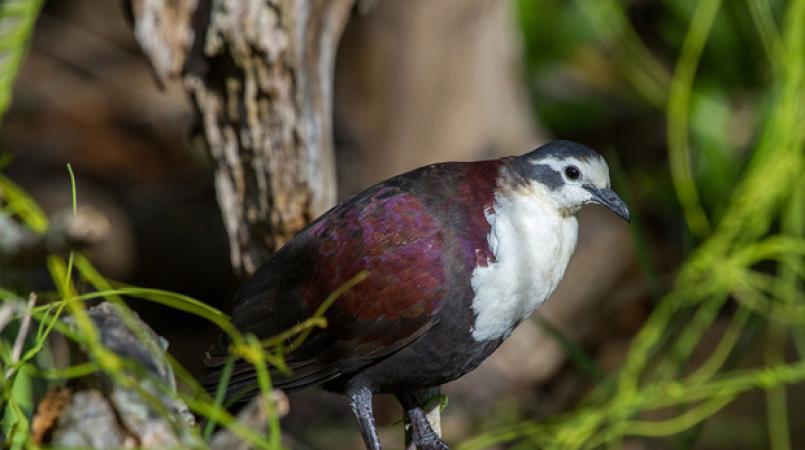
(419, 81)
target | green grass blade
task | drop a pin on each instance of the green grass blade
(678, 116)
(17, 19)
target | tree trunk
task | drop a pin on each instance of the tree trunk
(421, 81)
(259, 73)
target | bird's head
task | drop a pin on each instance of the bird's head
(570, 175)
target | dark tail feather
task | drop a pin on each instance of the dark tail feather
(243, 385)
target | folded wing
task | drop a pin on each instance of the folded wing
(386, 231)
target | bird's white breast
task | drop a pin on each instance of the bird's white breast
(532, 243)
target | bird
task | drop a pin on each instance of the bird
(456, 255)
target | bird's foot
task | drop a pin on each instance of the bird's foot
(424, 438)
(422, 435)
(430, 443)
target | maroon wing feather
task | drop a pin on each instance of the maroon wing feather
(395, 239)
(387, 232)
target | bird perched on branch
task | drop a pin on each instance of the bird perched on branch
(457, 255)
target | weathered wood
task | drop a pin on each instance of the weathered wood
(259, 73)
(21, 247)
(98, 412)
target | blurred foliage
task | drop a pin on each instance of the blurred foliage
(590, 61)
(732, 103)
(17, 19)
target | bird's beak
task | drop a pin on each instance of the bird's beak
(607, 197)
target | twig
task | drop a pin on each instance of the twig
(19, 342)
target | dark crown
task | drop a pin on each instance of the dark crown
(561, 150)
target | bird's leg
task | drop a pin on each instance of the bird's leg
(361, 401)
(422, 434)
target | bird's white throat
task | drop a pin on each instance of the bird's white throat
(532, 242)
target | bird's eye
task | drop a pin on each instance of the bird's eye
(572, 172)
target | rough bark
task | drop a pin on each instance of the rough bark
(97, 412)
(260, 76)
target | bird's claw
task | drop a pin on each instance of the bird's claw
(430, 443)
(434, 445)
